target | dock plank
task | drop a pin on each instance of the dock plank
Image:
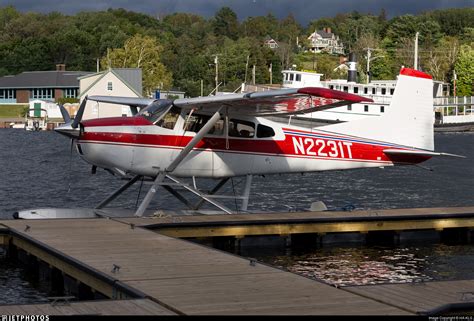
(419, 298)
(107, 307)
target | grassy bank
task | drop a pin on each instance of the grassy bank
(13, 111)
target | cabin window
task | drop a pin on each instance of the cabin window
(218, 128)
(195, 122)
(349, 107)
(331, 87)
(169, 119)
(356, 90)
(382, 109)
(264, 131)
(373, 91)
(346, 89)
(384, 91)
(392, 91)
(366, 90)
(109, 86)
(241, 128)
(366, 108)
(291, 77)
(298, 77)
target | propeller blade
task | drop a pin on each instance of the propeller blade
(65, 114)
(79, 114)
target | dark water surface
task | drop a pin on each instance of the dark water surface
(38, 170)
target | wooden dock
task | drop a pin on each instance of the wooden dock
(130, 259)
(181, 276)
(310, 222)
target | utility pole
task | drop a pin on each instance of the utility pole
(246, 68)
(415, 63)
(202, 88)
(271, 73)
(455, 77)
(368, 64)
(216, 62)
(98, 65)
(253, 75)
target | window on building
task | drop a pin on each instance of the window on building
(346, 88)
(42, 93)
(392, 90)
(382, 109)
(70, 93)
(366, 90)
(109, 86)
(264, 131)
(291, 77)
(356, 90)
(298, 77)
(241, 128)
(373, 91)
(384, 91)
(366, 108)
(7, 93)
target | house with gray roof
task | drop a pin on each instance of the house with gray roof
(44, 85)
(124, 82)
(325, 41)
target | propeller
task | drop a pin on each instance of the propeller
(70, 126)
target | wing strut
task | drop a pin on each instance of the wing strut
(162, 174)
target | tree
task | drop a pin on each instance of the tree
(226, 23)
(141, 52)
(465, 71)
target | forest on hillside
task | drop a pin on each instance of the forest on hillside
(179, 50)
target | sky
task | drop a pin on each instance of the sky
(303, 10)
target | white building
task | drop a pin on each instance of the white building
(124, 82)
(325, 41)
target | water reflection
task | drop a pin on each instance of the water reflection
(346, 266)
(15, 287)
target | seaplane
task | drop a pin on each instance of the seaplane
(221, 137)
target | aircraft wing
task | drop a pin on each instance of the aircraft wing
(130, 101)
(273, 102)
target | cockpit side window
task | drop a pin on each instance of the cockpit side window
(241, 128)
(170, 118)
(264, 131)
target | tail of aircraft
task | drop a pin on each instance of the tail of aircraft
(409, 119)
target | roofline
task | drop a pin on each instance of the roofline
(116, 75)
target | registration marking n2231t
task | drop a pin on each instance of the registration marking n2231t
(322, 147)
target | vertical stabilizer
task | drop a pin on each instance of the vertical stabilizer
(409, 119)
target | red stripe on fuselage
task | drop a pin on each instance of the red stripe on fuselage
(292, 145)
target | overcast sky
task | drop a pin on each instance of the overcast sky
(303, 10)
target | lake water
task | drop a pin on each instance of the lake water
(37, 170)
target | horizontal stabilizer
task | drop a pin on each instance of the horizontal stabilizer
(418, 153)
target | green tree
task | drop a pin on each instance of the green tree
(141, 52)
(226, 24)
(465, 71)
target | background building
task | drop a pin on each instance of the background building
(44, 85)
(325, 41)
(124, 82)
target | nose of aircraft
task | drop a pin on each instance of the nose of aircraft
(67, 130)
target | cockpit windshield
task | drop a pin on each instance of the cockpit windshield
(156, 110)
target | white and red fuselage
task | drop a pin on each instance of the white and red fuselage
(137, 146)
(140, 146)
